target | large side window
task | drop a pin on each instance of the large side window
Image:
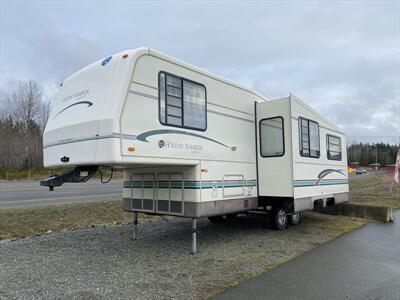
(272, 140)
(182, 102)
(309, 138)
(334, 147)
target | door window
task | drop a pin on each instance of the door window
(272, 137)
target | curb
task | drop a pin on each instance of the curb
(380, 213)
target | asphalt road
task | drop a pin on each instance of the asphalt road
(364, 264)
(23, 193)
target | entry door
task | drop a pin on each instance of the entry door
(274, 157)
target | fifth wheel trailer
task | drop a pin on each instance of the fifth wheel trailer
(191, 143)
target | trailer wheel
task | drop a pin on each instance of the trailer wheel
(280, 218)
(295, 219)
(216, 219)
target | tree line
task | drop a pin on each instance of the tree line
(24, 114)
(384, 154)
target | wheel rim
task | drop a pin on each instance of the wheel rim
(295, 217)
(281, 217)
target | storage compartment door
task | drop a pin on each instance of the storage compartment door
(170, 191)
(143, 192)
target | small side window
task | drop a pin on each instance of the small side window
(309, 138)
(334, 147)
(182, 102)
(272, 140)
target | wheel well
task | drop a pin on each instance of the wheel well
(330, 201)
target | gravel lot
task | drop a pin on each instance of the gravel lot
(103, 263)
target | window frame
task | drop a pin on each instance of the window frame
(182, 79)
(309, 139)
(327, 147)
(283, 136)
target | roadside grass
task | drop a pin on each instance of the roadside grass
(375, 190)
(26, 174)
(30, 221)
(341, 226)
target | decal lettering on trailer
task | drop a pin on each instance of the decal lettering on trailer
(180, 146)
(143, 136)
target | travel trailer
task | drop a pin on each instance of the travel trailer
(193, 144)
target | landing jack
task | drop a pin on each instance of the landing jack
(135, 224)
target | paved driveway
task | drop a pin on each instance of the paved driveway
(364, 264)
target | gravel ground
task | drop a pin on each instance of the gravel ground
(103, 263)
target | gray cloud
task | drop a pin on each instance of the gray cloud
(342, 58)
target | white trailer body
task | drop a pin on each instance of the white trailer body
(191, 143)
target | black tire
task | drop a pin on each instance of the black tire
(279, 218)
(216, 219)
(295, 219)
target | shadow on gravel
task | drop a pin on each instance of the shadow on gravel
(173, 235)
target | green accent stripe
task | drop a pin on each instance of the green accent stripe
(188, 184)
(91, 138)
(305, 183)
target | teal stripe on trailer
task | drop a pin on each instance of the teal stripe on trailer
(331, 183)
(305, 183)
(189, 184)
(91, 138)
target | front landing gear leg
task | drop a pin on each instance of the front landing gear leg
(135, 223)
(194, 241)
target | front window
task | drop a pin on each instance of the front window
(182, 102)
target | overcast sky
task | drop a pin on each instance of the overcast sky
(340, 57)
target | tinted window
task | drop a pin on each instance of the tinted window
(272, 137)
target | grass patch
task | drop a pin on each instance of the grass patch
(34, 173)
(375, 190)
(23, 222)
